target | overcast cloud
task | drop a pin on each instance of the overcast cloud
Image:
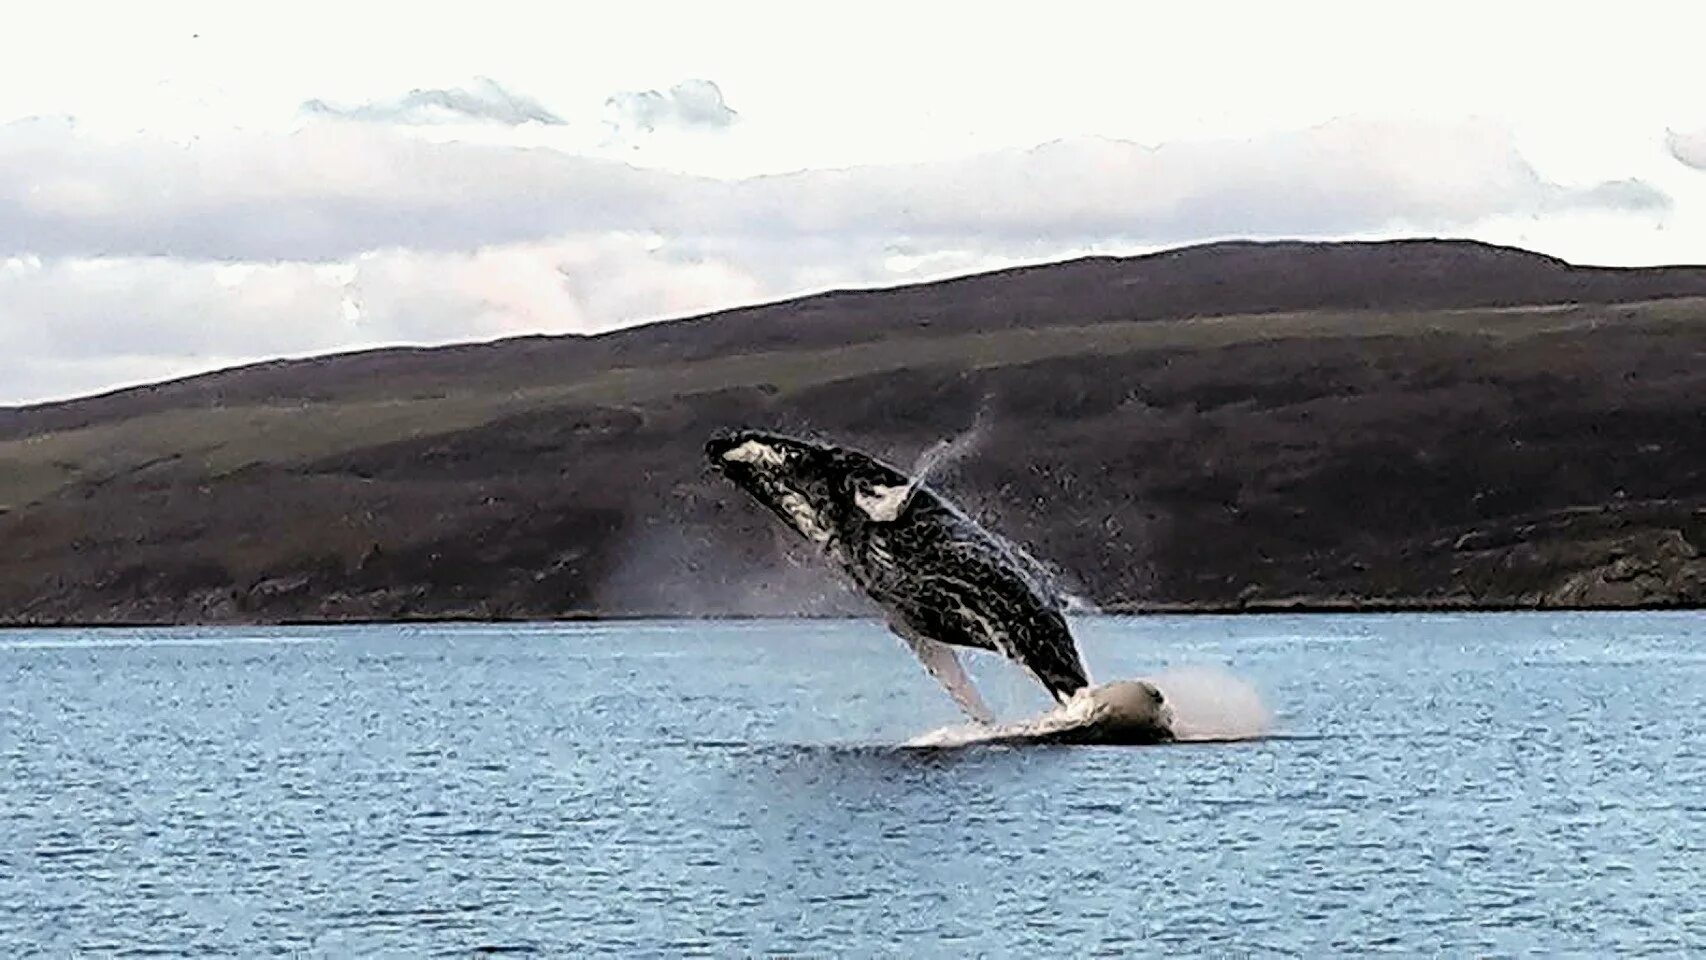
(1690, 148)
(331, 191)
(133, 258)
(484, 101)
(132, 251)
(75, 325)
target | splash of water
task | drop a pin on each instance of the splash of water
(1210, 704)
(1204, 704)
(945, 453)
(1073, 713)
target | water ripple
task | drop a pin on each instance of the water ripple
(1467, 785)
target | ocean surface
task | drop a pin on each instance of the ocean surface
(1470, 785)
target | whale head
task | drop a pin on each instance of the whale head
(817, 489)
(1125, 711)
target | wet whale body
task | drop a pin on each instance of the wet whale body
(943, 580)
(1125, 712)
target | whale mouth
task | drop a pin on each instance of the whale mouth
(757, 466)
(718, 444)
(760, 466)
(733, 450)
(756, 453)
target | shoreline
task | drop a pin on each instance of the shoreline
(1157, 610)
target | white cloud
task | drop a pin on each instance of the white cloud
(689, 105)
(1690, 148)
(484, 101)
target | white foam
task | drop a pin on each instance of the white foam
(97, 643)
(1107, 705)
(1210, 704)
(1202, 704)
(945, 453)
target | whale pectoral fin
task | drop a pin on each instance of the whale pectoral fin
(883, 504)
(943, 663)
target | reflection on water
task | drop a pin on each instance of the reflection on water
(1467, 785)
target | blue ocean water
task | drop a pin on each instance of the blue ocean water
(1469, 785)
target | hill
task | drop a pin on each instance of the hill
(1414, 423)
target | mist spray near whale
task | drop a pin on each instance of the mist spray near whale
(943, 581)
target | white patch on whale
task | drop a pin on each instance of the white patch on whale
(756, 453)
(943, 662)
(999, 641)
(804, 516)
(883, 504)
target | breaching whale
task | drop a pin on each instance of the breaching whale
(942, 579)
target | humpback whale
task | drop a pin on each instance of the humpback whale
(942, 580)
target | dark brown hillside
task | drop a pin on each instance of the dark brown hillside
(1410, 424)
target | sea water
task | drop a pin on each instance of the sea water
(1470, 785)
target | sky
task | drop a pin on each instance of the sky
(185, 187)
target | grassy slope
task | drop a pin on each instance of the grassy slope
(217, 442)
(1524, 455)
